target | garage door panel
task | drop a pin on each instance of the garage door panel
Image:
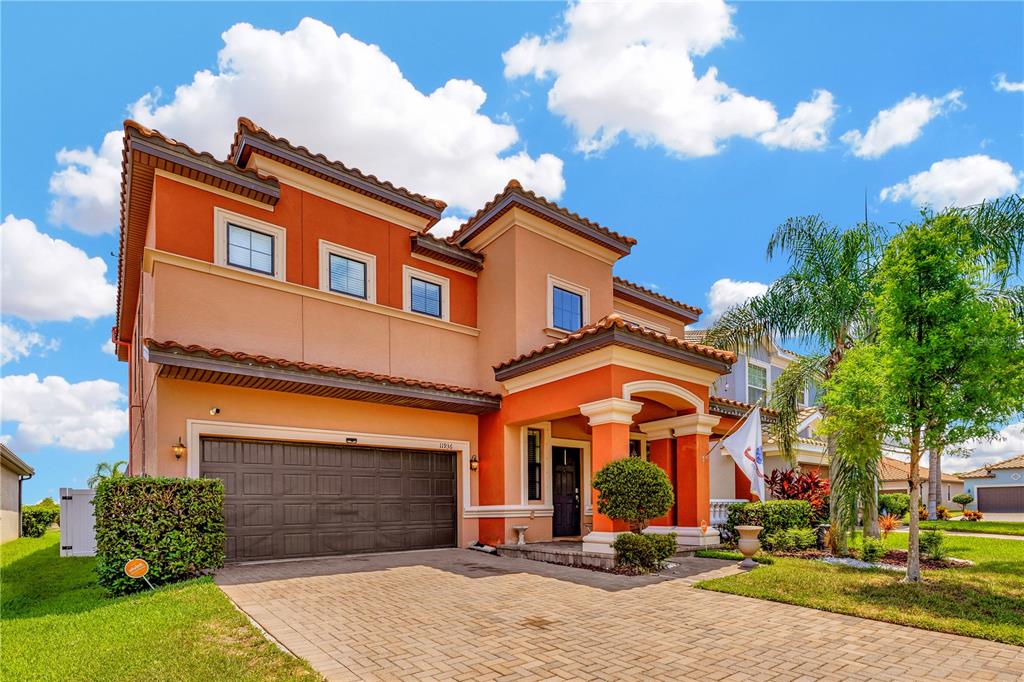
(1001, 499)
(286, 500)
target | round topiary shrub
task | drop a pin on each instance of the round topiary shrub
(634, 491)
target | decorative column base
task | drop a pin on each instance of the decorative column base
(600, 542)
(687, 537)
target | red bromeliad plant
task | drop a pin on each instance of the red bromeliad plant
(808, 486)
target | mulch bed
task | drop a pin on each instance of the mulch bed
(898, 557)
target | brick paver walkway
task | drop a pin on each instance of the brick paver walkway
(458, 614)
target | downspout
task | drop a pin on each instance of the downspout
(20, 479)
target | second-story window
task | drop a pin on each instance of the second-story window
(566, 309)
(347, 276)
(425, 297)
(250, 249)
(757, 382)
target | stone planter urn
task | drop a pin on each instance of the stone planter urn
(749, 544)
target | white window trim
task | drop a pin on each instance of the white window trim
(408, 272)
(221, 218)
(584, 292)
(767, 379)
(368, 259)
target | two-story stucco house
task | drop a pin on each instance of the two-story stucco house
(292, 327)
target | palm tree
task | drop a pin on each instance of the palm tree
(822, 301)
(106, 470)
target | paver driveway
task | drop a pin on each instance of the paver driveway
(458, 614)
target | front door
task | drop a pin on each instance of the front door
(566, 479)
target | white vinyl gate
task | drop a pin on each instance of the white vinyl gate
(77, 523)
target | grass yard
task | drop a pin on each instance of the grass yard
(998, 527)
(56, 624)
(985, 600)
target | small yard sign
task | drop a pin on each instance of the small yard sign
(138, 568)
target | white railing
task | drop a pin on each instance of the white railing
(720, 511)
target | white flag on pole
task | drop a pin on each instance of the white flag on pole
(747, 448)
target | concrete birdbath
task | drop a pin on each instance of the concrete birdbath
(749, 544)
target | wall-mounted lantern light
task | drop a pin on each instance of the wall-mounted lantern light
(178, 449)
(474, 463)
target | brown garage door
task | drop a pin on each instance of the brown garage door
(286, 500)
(1001, 500)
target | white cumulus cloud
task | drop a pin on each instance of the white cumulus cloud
(627, 69)
(900, 125)
(108, 348)
(83, 416)
(727, 293)
(1010, 443)
(1003, 85)
(19, 343)
(335, 95)
(956, 182)
(49, 279)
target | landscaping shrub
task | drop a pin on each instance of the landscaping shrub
(963, 499)
(790, 539)
(632, 490)
(897, 504)
(643, 552)
(36, 518)
(887, 523)
(971, 515)
(941, 513)
(809, 486)
(175, 524)
(872, 549)
(773, 516)
(932, 544)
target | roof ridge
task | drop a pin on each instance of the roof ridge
(513, 186)
(246, 123)
(614, 320)
(655, 294)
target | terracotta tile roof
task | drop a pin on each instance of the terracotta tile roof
(890, 469)
(571, 221)
(246, 125)
(771, 440)
(695, 335)
(804, 413)
(439, 249)
(986, 471)
(746, 407)
(263, 360)
(615, 321)
(144, 151)
(662, 297)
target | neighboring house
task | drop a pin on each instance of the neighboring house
(751, 379)
(997, 488)
(895, 478)
(12, 472)
(292, 328)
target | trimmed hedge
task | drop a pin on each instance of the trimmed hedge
(632, 490)
(36, 518)
(643, 552)
(773, 516)
(175, 524)
(897, 504)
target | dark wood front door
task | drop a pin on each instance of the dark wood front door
(565, 472)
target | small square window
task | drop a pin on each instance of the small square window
(347, 276)
(425, 297)
(566, 309)
(250, 249)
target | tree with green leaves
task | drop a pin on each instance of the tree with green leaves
(822, 301)
(105, 470)
(949, 347)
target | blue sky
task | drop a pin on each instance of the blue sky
(674, 126)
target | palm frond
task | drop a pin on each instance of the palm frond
(787, 390)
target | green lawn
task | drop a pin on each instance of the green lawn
(56, 624)
(998, 527)
(986, 600)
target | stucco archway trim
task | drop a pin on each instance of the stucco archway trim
(652, 386)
